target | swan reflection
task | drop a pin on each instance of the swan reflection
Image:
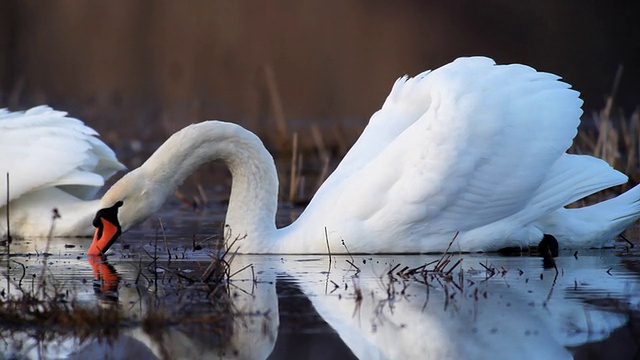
(381, 307)
(485, 307)
(155, 315)
(235, 321)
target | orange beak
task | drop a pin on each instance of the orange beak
(107, 230)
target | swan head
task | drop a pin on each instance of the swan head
(127, 203)
(108, 229)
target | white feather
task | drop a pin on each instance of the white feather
(60, 159)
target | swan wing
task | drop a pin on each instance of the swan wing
(405, 104)
(42, 147)
(482, 142)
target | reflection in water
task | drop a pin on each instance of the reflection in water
(105, 280)
(238, 321)
(165, 312)
(381, 307)
(496, 307)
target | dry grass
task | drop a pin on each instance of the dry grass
(612, 136)
(46, 310)
(50, 317)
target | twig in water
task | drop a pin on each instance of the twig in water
(444, 261)
(426, 282)
(326, 238)
(347, 249)
(54, 216)
(352, 264)
(390, 272)
(153, 257)
(418, 269)
(358, 295)
(164, 237)
(7, 219)
(335, 286)
(453, 267)
(491, 270)
(438, 266)
(155, 264)
(24, 273)
(139, 271)
(242, 269)
(326, 284)
(401, 272)
(553, 284)
(631, 245)
(228, 248)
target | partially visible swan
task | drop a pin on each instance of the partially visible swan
(53, 161)
(472, 148)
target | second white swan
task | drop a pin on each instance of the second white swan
(472, 148)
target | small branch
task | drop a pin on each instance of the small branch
(347, 249)
(164, 237)
(326, 238)
(352, 264)
(8, 225)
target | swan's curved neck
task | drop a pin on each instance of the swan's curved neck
(254, 191)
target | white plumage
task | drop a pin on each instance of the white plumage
(471, 148)
(53, 161)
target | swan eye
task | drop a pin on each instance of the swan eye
(110, 213)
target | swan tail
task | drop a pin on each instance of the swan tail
(616, 214)
(574, 177)
(595, 225)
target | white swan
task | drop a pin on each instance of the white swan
(471, 147)
(52, 161)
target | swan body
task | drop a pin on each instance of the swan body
(472, 148)
(53, 161)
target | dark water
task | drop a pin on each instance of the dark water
(311, 307)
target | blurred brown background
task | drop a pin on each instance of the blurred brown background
(146, 68)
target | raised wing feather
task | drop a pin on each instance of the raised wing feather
(42, 148)
(484, 143)
(406, 103)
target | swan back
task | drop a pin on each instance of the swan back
(43, 148)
